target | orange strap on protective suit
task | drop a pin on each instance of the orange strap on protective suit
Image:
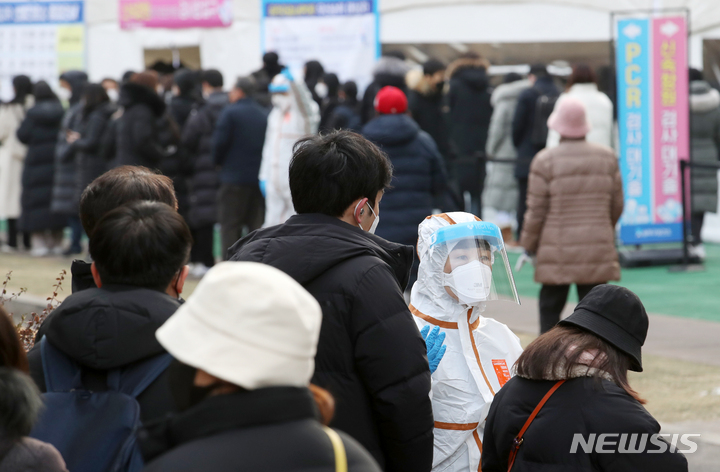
(517, 442)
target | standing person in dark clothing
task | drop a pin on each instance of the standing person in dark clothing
(418, 169)
(347, 114)
(184, 96)
(197, 138)
(64, 196)
(314, 72)
(136, 131)
(263, 77)
(39, 131)
(527, 130)
(95, 113)
(330, 102)
(469, 119)
(237, 146)
(390, 70)
(587, 359)
(370, 355)
(426, 104)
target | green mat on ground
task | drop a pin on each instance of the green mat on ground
(689, 294)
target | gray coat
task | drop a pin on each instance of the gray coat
(705, 141)
(501, 187)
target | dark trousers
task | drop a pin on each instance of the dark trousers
(521, 205)
(696, 223)
(76, 231)
(469, 173)
(202, 250)
(552, 302)
(12, 233)
(239, 206)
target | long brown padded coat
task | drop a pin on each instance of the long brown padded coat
(575, 198)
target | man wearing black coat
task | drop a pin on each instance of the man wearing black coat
(237, 148)
(204, 182)
(522, 131)
(426, 104)
(136, 141)
(390, 70)
(370, 355)
(139, 252)
(469, 119)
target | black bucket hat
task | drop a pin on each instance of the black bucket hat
(616, 315)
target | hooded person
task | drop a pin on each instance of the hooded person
(463, 268)
(390, 70)
(294, 115)
(245, 345)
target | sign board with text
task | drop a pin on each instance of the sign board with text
(653, 119)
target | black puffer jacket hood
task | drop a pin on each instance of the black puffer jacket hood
(391, 130)
(77, 80)
(474, 78)
(309, 245)
(47, 113)
(105, 328)
(132, 94)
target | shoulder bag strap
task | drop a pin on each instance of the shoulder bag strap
(517, 442)
(341, 464)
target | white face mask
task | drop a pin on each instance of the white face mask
(321, 89)
(64, 94)
(283, 102)
(113, 95)
(375, 223)
(470, 282)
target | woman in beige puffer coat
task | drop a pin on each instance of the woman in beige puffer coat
(575, 198)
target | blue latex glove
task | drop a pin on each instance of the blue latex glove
(263, 188)
(435, 349)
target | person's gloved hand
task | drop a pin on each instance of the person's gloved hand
(523, 259)
(435, 349)
(263, 188)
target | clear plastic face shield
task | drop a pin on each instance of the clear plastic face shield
(476, 266)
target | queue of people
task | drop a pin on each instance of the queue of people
(304, 337)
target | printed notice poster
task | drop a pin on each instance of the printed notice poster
(41, 40)
(342, 35)
(653, 119)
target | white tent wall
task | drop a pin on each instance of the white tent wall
(111, 51)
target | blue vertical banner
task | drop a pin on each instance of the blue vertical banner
(634, 120)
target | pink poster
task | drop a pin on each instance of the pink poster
(671, 142)
(175, 13)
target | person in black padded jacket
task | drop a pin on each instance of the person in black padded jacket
(370, 357)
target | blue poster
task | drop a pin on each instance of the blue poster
(41, 13)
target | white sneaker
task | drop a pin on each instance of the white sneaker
(697, 251)
(40, 252)
(5, 249)
(199, 270)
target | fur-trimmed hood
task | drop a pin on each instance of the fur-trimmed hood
(703, 98)
(391, 66)
(471, 71)
(132, 94)
(509, 91)
(460, 64)
(422, 85)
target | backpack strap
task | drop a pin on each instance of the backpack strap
(61, 373)
(341, 463)
(134, 380)
(517, 442)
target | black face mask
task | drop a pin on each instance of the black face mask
(182, 386)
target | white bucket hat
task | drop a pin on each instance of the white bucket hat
(248, 324)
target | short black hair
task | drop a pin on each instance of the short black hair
(328, 173)
(213, 77)
(539, 70)
(433, 66)
(695, 75)
(142, 244)
(43, 92)
(123, 185)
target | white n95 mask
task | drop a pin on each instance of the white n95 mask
(470, 282)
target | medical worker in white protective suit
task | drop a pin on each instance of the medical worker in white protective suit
(294, 115)
(463, 269)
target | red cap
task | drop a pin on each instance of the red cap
(390, 100)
